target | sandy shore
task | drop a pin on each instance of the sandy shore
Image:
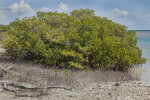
(107, 91)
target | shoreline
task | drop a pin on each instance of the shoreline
(118, 90)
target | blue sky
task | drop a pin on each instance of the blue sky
(134, 14)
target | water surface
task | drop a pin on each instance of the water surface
(144, 44)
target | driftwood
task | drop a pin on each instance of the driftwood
(26, 91)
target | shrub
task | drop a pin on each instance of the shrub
(81, 40)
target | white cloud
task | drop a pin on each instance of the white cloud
(117, 12)
(20, 8)
(133, 20)
(44, 9)
(16, 10)
(113, 13)
(63, 7)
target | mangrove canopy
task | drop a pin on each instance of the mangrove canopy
(79, 39)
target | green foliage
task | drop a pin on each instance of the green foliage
(80, 40)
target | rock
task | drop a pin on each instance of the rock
(70, 96)
(117, 84)
(1, 73)
(109, 94)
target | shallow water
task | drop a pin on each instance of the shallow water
(144, 44)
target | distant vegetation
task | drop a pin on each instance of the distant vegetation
(79, 39)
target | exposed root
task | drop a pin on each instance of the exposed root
(25, 91)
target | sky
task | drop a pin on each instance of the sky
(134, 14)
